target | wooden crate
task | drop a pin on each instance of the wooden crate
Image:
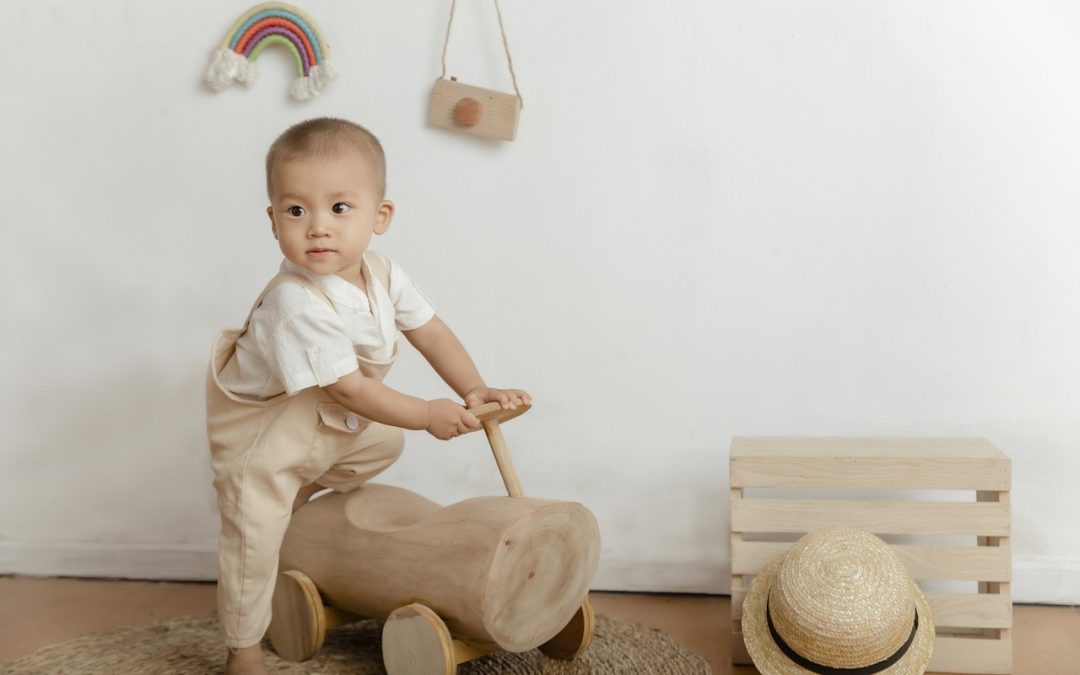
(973, 629)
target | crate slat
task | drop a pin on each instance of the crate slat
(862, 446)
(950, 610)
(951, 655)
(939, 473)
(970, 610)
(925, 563)
(971, 655)
(879, 517)
(900, 463)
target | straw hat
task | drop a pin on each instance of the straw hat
(839, 602)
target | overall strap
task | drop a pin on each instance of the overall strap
(376, 264)
(285, 277)
(378, 268)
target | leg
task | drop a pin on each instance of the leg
(378, 446)
(255, 502)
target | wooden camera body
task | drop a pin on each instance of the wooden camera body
(474, 110)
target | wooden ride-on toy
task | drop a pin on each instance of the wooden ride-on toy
(453, 583)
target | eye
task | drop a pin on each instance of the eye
(341, 207)
(296, 211)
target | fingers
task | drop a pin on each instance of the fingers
(515, 397)
(510, 398)
(462, 423)
(470, 421)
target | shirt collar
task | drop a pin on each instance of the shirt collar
(339, 291)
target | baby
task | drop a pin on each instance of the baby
(295, 398)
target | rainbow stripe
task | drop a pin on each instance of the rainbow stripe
(264, 25)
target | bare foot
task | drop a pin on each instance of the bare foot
(246, 661)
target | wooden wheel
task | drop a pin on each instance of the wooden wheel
(298, 626)
(415, 641)
(576, 637)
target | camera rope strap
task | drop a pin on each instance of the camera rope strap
(506, 47)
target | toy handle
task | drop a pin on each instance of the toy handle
(490, 416)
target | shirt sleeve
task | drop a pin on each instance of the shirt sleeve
(412, 308)
(303, 340)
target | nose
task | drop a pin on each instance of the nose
(317, 228)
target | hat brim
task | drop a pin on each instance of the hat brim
(770, 660)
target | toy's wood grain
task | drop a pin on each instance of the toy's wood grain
(508, 571)
(491, 415)
(576, 637)
(298, 628)
(415, 641)
(503, 459)
(338, 617)
(467, 651)
(494, 412)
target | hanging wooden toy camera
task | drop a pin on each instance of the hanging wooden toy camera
(475, 110)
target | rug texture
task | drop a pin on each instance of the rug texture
(193, 646)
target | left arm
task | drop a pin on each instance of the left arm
(448, 357)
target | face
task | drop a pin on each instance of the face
(324, 211)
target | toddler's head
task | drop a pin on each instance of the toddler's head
(326, 180)
(326, 138)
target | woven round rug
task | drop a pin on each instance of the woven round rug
(193, 646)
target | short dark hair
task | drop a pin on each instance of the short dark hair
(325, 137)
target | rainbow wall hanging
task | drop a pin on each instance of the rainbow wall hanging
(264, 25)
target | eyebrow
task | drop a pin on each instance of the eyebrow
(336, 195)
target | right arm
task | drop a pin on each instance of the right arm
(442, 418)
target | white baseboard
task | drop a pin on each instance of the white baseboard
(650, 576)
(1046, 580)
(121, 561)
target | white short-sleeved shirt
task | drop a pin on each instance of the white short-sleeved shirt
(295, 340)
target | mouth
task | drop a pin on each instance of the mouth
(320, 252)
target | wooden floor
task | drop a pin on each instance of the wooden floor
(35, 612)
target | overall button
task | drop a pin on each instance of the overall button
(353, 422)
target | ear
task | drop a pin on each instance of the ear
(270, 215)
(383, 215)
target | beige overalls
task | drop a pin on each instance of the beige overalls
(262, 452)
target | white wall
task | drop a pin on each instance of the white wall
(718, 219)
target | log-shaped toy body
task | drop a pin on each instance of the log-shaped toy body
(498, 570)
